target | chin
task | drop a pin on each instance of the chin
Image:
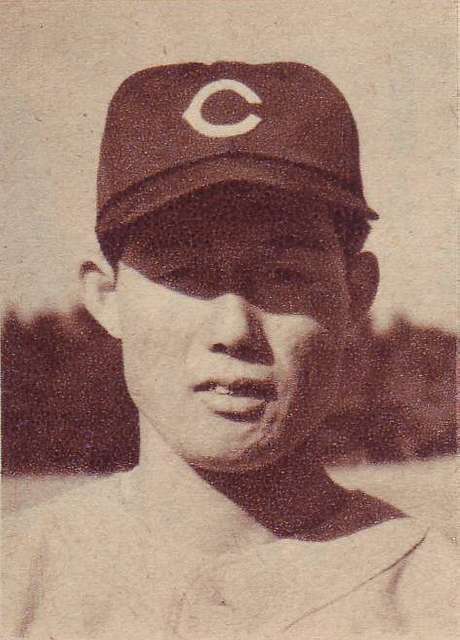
(259, 445)
(258, 456)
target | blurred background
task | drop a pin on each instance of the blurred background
(65, 407)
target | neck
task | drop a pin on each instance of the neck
(289, 497)
(221, 509)
(178, 503)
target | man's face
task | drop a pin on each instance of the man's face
(232, 325)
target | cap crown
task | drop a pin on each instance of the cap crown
(165, 117)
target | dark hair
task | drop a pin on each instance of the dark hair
(351, 229)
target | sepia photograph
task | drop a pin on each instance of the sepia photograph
(228, 326)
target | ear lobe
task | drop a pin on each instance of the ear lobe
(99, 295)
(363, 281)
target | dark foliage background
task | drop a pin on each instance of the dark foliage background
(66, 408)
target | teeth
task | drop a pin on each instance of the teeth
(222, 390)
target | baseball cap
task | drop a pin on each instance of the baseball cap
(176, 129)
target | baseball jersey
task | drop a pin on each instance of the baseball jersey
(87, 565)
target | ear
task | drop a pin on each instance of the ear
(99, 294)
(363, 281)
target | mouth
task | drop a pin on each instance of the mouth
(243, 400)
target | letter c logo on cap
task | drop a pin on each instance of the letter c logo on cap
(195, 118)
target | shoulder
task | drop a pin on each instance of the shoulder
(74, 510)
(397, 578)
(42, 544)
(24, 552)
(22, 556)
(425, 586)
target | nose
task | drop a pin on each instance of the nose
(237, 330)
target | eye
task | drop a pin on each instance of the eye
(177, 276)
(192, 280)
(285, 276)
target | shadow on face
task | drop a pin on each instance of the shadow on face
(278, 252)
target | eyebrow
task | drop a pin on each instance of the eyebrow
(295, 241)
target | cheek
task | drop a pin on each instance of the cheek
(289, 337)
(157, 329)
(307, 354)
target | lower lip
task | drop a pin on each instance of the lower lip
(237, 408)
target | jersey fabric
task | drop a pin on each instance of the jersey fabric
(85, 565)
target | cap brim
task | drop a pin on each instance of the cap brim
(159, 190)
